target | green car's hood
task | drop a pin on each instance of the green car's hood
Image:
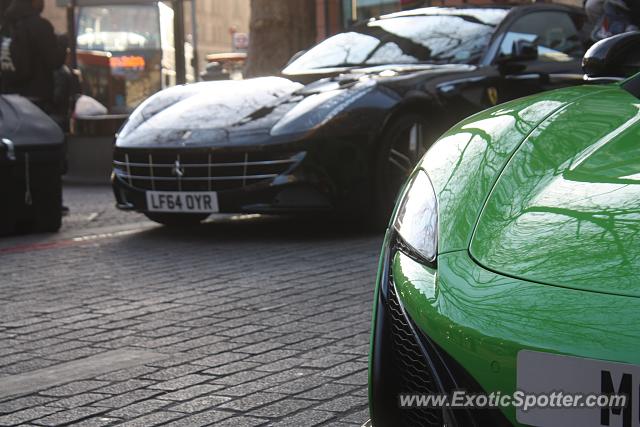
(565, 210)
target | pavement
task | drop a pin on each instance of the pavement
(242, 321)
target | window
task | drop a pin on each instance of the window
(440, 35)
(118, 28)
(554, 33)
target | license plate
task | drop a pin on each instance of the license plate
(546, 373)
(182, 201)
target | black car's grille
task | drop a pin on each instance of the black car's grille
(410, 365)
(201, 171)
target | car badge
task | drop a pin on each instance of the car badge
(178, 169)
(492, 93)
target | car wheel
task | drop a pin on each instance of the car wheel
(403, 144)
(176, 220)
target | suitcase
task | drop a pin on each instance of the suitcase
(31, 162)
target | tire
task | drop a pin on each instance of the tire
(177, 220)
(403, 143)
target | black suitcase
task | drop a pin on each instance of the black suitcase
(31, 161)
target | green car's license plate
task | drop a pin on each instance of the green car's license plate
(545, 373)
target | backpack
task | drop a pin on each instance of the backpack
(14, 55)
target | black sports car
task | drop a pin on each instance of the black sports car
(346, 121)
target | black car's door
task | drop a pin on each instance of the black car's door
(560, 44)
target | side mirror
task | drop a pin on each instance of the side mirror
(614, 58)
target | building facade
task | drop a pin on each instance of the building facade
(335, 15)
(217, 22)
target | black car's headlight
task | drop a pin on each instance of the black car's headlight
(416, 220)
(317, 109)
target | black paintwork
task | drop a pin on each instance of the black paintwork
(617, 56)
(337, 169)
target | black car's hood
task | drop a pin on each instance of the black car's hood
(208, 113)
(202, 107)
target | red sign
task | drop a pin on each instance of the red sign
(132, 62)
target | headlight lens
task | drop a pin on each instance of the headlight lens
(417, 217)
(317, 109)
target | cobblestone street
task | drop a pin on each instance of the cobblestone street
(239, 322)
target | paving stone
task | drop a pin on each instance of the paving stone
(326, 392)
(69, 416)
(15, 405)
(73, 388)
(257, 321)
(306, 419)
(153, 419)
(240, 377)
(231, 368)
(79, 400)
(201, 403)
(181, 382)
(139, 408)
(357, 417)
(328, 361)
(173, 372)
(126, 374)
(99, 421)
(25, 415)
(124, 386)
(344, 403)
(281, 409)
(212, 417)
(252, 401)
(343, 370)
(241, 421)
(124, 399)
(191, 392)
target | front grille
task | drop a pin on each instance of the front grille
(201, 171)
(410, 365)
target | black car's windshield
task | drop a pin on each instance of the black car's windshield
(440, 35)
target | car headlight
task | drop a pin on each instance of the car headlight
(317, 109)
(416, 220)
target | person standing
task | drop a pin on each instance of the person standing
(29, 53)
(612, 17)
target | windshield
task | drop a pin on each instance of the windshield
(442, 35)
(119, 28)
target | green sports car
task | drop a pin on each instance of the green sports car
(512, 265)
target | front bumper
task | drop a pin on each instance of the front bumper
(286, 196)
(405, 360)
(468, 325)
(308, 176)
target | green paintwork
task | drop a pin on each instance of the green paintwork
(537, 192)
(465, 163)
(482, 319)
(566, 210)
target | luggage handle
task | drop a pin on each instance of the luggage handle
(11, 150)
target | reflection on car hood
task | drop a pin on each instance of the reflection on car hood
(209, 105)
(337, 72)
(566, 209)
